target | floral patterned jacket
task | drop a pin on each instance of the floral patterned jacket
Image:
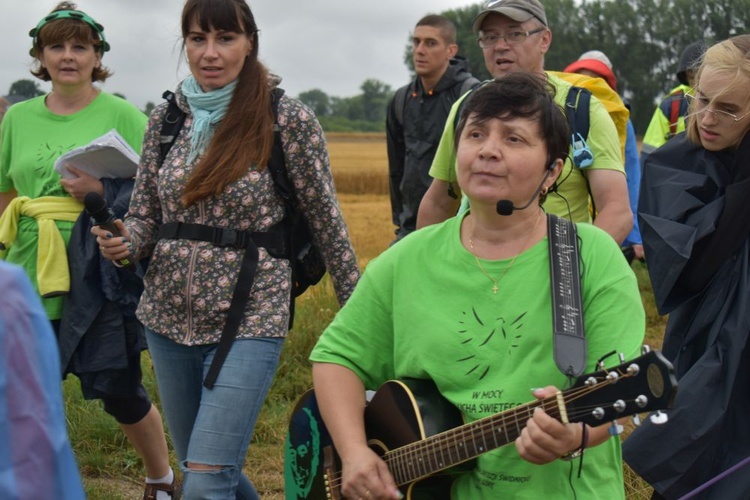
(189, 284)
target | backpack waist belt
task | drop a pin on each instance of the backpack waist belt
(275, 243)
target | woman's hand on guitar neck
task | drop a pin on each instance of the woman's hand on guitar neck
(366, 476)
(545, 439)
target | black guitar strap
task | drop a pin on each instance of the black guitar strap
(567, 305)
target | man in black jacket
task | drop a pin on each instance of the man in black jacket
(417, 113)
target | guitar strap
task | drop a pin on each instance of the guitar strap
(567, 305)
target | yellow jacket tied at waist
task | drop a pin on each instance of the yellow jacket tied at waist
(52, 260)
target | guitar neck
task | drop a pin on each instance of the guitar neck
(443, 451)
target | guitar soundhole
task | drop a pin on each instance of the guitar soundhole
(655, 380)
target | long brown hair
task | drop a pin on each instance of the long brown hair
(244, 137)
(60, 30)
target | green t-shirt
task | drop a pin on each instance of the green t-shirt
(32, 138)
(572, 184)
(423, 309)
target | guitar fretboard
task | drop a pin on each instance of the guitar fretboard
(442, 451)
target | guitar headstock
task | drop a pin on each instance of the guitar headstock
(643, 384)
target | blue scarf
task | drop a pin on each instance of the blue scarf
(208, 109)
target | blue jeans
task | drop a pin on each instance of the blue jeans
(213, 426)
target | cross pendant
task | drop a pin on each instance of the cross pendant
(494, 289)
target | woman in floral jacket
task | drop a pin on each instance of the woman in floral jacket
(215, 176)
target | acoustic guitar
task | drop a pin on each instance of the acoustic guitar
(419, 434)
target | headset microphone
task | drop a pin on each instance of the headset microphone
(505, 207)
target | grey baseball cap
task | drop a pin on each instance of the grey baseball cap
(518, 10)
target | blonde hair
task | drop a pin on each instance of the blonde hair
(730, 56)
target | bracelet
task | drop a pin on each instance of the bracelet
(578, 452)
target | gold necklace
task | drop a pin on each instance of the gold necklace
(513, 260)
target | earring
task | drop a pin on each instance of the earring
(545, 189)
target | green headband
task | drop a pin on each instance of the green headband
(71, 14)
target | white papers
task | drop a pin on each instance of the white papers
(109, 156)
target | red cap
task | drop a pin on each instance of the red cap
(595, 66)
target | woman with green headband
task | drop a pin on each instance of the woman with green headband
(90, 303)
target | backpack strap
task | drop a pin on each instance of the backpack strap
(577, 109)
(469, 84)
(399, 103)
(569, 339)
(174, 118)
(673, 108)
(277, 163)
(466, 86)
(285, 188)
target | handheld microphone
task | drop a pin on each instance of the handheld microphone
(101, 215)
(506, 207)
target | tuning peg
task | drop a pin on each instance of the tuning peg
(658, 417)
(622, 357)
(615, 429)
(613, 377)
(645, 349)
(637, 420)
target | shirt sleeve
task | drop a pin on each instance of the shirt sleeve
(444, 163)
(361, 336)
(309, 169)
(145, 214)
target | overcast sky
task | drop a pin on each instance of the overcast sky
(333, 45)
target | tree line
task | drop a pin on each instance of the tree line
(642, 38)
(362, 113)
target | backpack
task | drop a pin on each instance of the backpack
(606, 95)
(674, 107)
(399, 99)
(306, 261)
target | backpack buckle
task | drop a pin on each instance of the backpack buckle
(228, 238)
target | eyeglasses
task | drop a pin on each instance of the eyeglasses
(513, 38)
(700, 104)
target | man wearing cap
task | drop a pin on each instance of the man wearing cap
(596, 64)
(669, 117)
(514, 36)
